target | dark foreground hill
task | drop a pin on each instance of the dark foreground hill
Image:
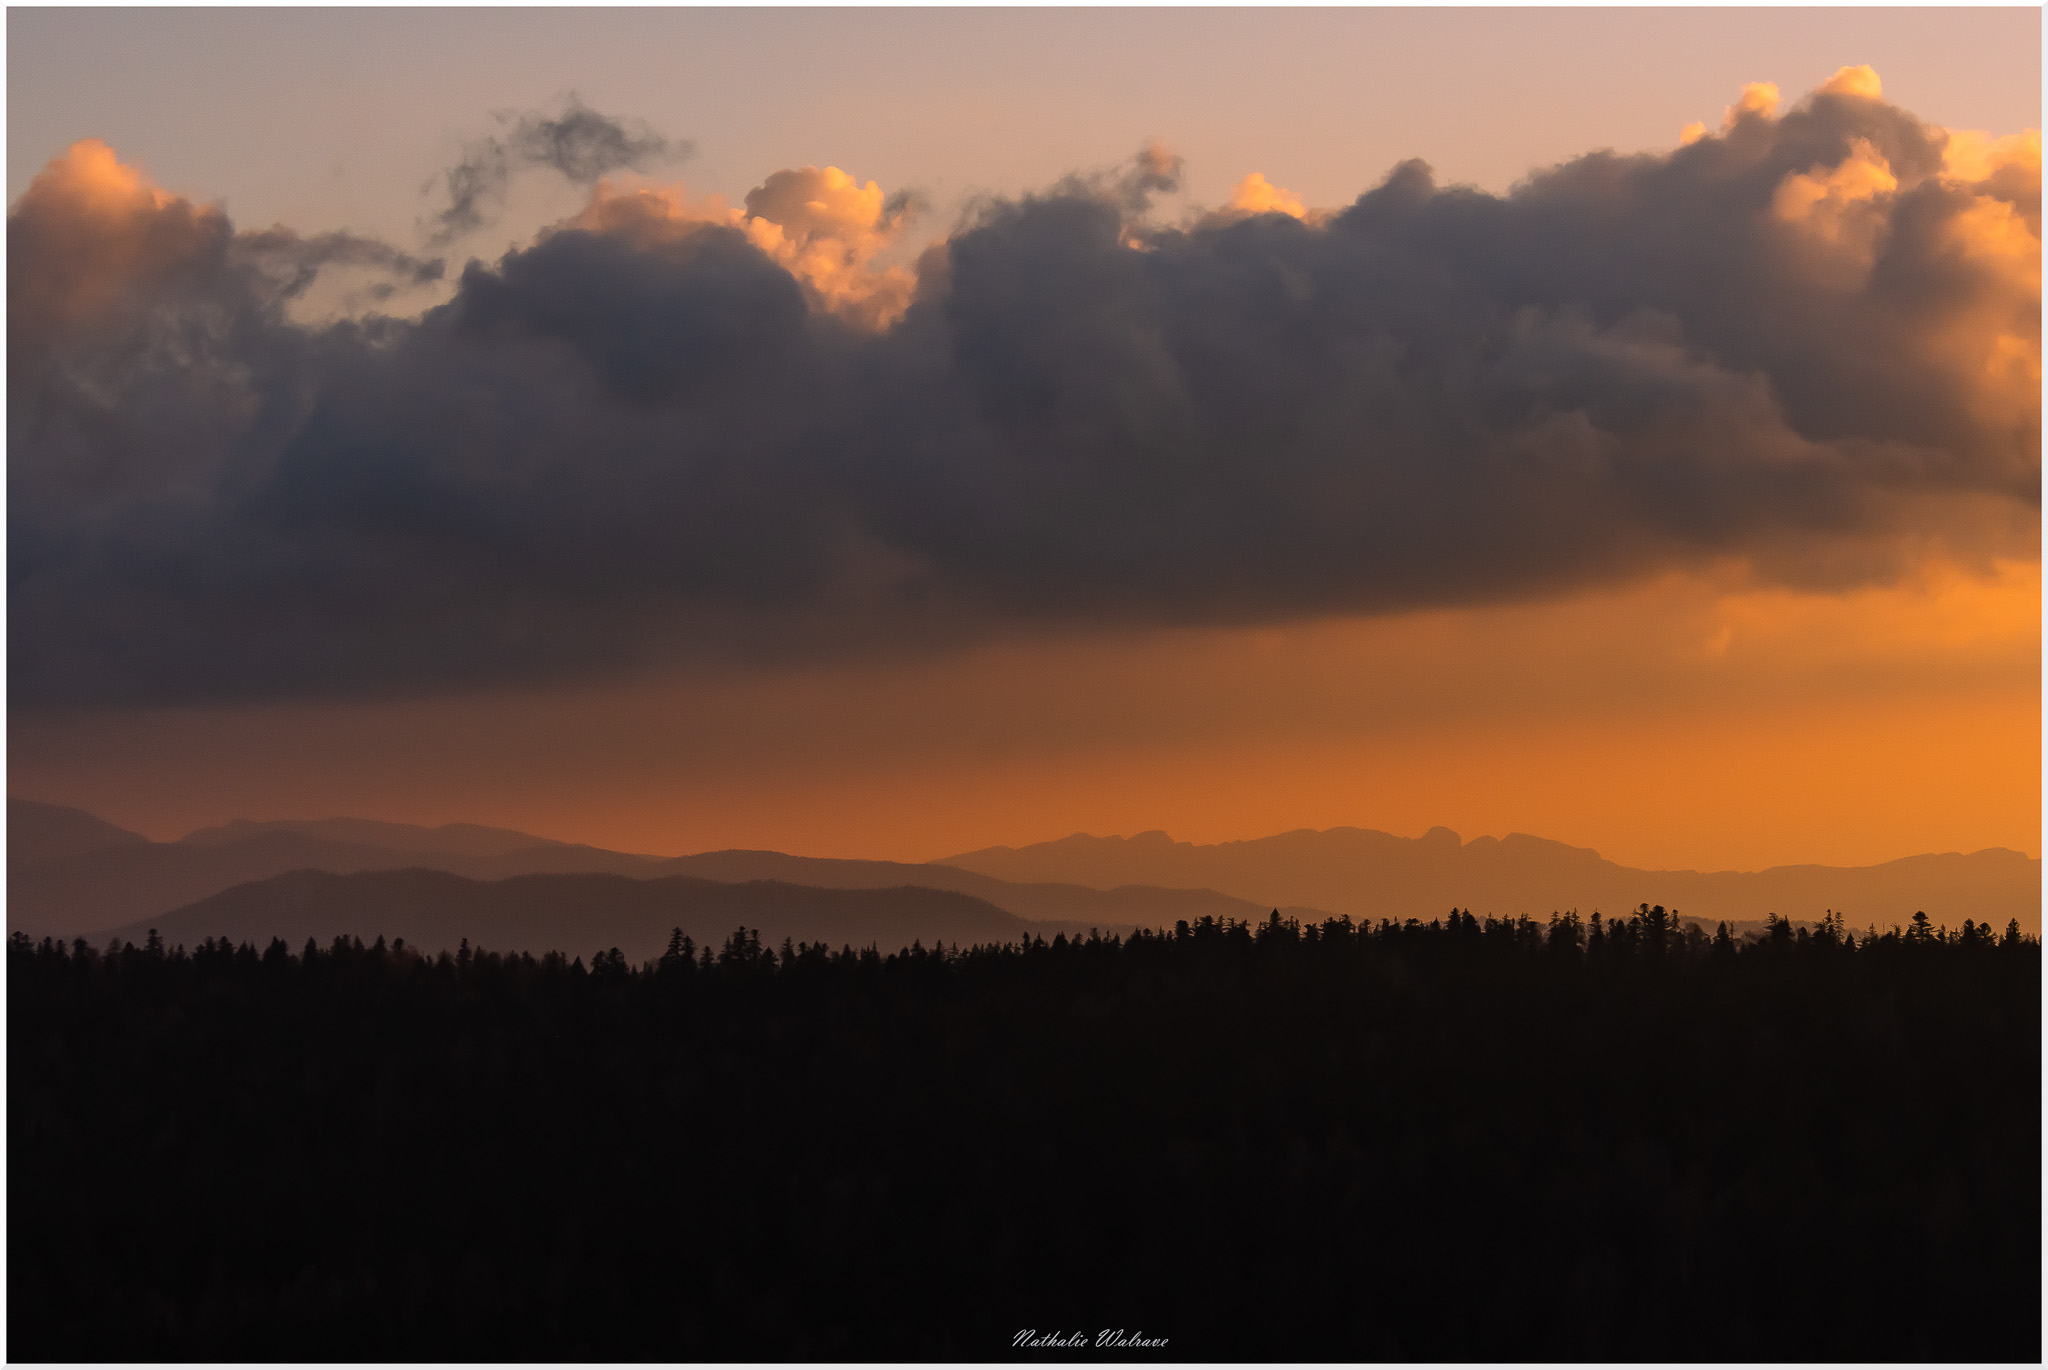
(1367, 874)
(578, 914)
(1473, 1140)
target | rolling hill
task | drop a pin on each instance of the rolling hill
(578, 914)
(93, 890)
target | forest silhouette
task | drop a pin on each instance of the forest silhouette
(1483, 1139)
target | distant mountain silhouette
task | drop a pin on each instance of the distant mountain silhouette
(50, 832)
(101, 889)
(1369, 874)
(133, 880)
(1133, 904)
(461, 839)
(579, 914)
(69, 873)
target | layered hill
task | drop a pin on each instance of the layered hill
(1135, 905)
(69, 874)
(1370, 874)
(108, 886)
(579, 914)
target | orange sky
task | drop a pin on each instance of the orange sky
(1672, 725)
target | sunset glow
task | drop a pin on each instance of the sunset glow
(1844, 729)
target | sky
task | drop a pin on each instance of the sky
(894, 433)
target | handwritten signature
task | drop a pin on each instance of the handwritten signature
(1031, 1339)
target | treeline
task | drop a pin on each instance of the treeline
(1474, 1139)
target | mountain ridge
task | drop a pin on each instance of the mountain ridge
(38, 832)
(120, 878)
(1365, 873)
(467, 839)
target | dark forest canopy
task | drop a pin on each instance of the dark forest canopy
(1467, 1139)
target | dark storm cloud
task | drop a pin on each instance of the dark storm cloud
(580, 144)
(641, 439)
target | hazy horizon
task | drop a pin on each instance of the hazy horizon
(1465, 839)
(71, 875)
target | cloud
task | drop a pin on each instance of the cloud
(579, 144)
(148, 351)
(1805, 347)
(1256, 195)
(90, 238)
(821, 225)
(1155, 171)
(1758, 99)
(1858, 81)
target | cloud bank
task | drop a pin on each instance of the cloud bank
(1806, 343)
